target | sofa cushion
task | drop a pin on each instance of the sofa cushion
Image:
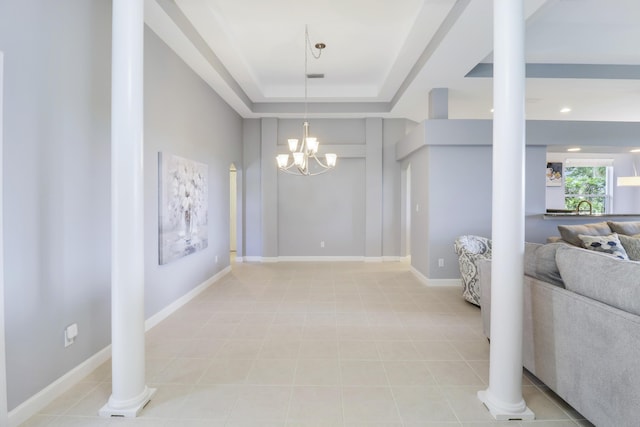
(540, 262)
(631, 245)
(570, 233)
(601, 277)
(609, 244)
(628, 228)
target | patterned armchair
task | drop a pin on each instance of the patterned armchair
(470, 249)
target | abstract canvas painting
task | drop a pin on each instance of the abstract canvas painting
(554, 174)
(183, 206)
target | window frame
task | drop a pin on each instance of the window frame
(608, 185)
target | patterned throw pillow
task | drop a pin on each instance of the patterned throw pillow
(609, 244)
(631, 245)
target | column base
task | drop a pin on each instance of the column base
(505, 412)
(129, 409)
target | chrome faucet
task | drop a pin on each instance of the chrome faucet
(580, 204)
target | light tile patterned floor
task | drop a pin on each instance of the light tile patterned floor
(340, 344)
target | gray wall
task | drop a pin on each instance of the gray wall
(329, 207)
(452, 175)
(354, 209)
(56, 186)
(185, 117)
(57, 181)
(458, 202)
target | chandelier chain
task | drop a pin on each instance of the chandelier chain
(308, 48)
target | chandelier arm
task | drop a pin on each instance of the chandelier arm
(320, 162)
(287, 167)
(320, 172)
(292, 173)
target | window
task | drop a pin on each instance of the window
(591, 180)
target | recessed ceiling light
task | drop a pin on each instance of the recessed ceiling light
(565, 110)
(574, 149)
(492, 110)
(635, 150)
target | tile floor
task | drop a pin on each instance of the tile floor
(314, 345)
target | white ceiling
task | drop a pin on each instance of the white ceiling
(383, 57)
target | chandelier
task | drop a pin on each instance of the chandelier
(306, 149)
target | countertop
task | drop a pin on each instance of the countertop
(562, 215)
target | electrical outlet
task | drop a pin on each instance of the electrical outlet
(417, 207)
(70, 334)
(322, 243)
(216, 259)
(440, 262)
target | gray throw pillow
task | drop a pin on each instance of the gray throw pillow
(631, 244)
(628, 228)
(546, 267)
(609, 244)
(601, 277)
(570, 233)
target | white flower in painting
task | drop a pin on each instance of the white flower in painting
(187, 192)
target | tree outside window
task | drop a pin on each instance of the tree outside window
(587, 183)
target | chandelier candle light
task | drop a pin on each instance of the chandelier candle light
(306, 149)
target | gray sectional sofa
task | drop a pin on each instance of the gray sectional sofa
(581, 326)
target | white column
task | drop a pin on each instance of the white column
(129, 392)
(503, 398)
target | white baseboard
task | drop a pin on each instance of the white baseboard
(44, 397)
(174, 306)
(322, 259)
(434, 282)
(421, 277)
(319, 258)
